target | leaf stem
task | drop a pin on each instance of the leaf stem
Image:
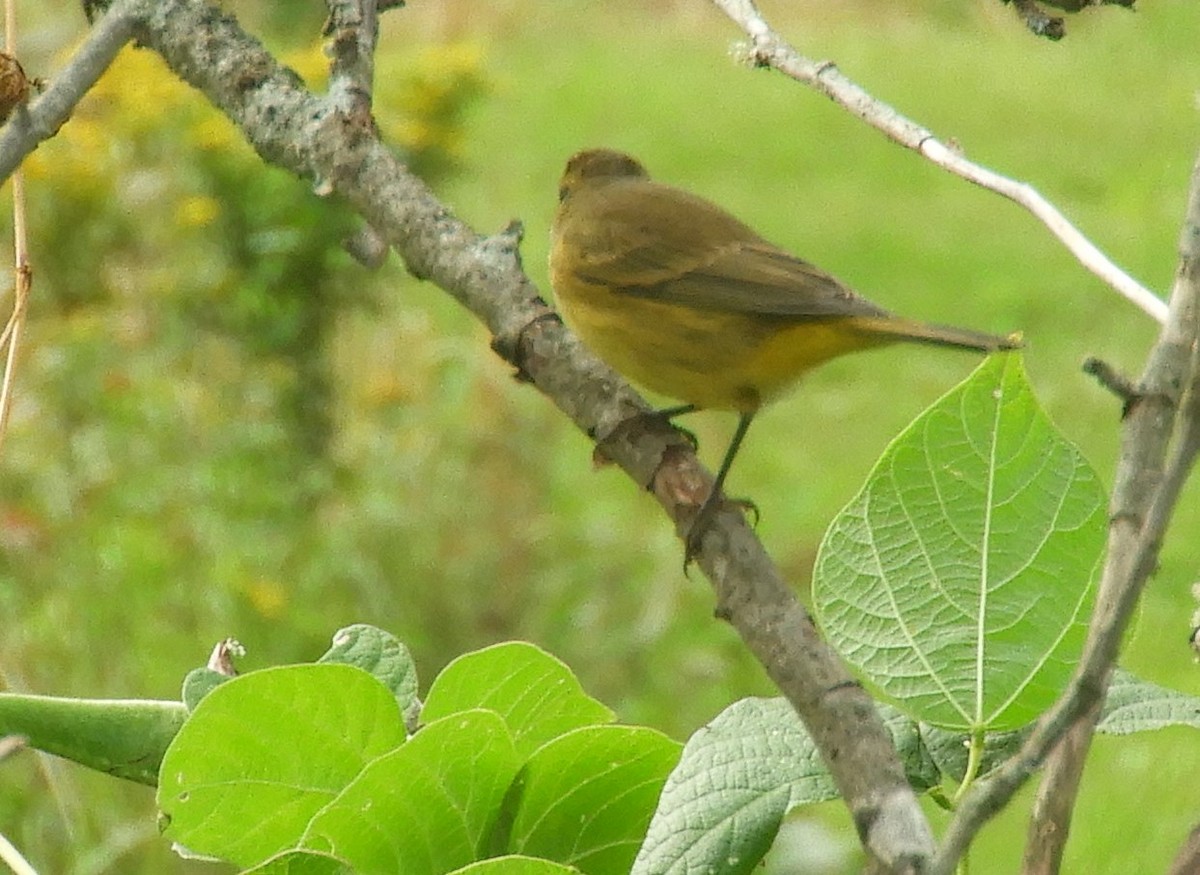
(974, 759)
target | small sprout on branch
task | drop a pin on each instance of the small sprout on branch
(1114, 381)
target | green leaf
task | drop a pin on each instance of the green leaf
(536, 694)
(1134, 705)
(736, 780)
(199, 682)
(515, 864)
(426, 807)
(301, 863)
(383, 655)
(262, 753)
(950, 752)
(125, 738)
(958, 579)
(738, 776)
(586, 797)
(920, 767)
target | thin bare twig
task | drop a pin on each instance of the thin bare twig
(11, 857)
(22, 273)
(770, 50)
(11, 744)
(10, 339)
(12, 331)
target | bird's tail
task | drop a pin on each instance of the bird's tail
(893, 328)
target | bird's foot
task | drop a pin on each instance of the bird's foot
(704, 520)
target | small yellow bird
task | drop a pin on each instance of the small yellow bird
(682, 298)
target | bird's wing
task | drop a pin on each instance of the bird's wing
(762, 280)
(711, 262)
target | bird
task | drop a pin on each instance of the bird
(682, 298)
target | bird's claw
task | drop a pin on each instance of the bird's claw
(694, 538)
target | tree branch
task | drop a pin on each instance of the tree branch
(1145, 494)
(1040, 22)
(1050, 824)
(43, 117)
(353, 29)
(318, 139)
(1187, 861)
(768, 49)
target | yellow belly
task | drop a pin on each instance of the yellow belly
(703, 357)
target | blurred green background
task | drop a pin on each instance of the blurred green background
(224, 426)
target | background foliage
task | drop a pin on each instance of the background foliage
(225, 426)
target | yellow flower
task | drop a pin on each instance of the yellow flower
(214, 132)
(197, 211)
(268, 597)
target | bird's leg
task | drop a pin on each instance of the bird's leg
(632, 425)
(667, 414)
(705, 516)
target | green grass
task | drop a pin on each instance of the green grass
(466, 510)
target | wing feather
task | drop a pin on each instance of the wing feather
(715, 263)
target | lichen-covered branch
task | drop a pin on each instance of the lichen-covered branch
(353, 30)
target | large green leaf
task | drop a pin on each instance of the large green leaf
(536, 694)
(383, 655)
(428, 806)
(301, 863)
(586, 797)
(262, 753)
(736, 780)
(515, 865)
(958, 579)
(1135, 705)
